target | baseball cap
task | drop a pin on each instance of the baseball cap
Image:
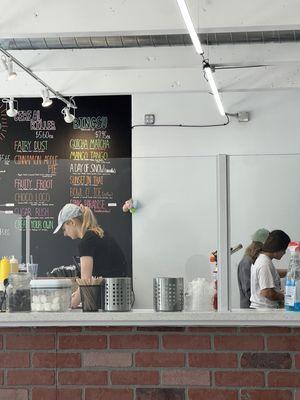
(68, 212)
(260, 235)
(276, 241)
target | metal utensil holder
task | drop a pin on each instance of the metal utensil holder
(118, 294)
(168, 294)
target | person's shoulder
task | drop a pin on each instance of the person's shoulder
(262, 261)
(246, 260)
(90, 235)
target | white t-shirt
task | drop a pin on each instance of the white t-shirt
(263, 276)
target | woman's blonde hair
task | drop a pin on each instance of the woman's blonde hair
(89, 222)
(253, 250)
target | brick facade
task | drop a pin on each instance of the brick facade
(163, 363)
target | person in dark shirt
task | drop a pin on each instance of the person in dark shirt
(244, 267)
(99, 253)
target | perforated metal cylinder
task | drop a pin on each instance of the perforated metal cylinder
(168, 294)
(118, 294)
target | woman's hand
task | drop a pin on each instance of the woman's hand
(75, 300)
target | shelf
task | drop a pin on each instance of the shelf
(150, 318)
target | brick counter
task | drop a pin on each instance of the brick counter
(150, 363)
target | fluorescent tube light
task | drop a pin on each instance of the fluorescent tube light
(209, 76)
(190, 27)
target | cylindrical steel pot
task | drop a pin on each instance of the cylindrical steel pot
(118, 294)
(168, 294)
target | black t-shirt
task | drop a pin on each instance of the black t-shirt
(108, 258)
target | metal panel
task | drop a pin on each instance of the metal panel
(84, 42)
(99, 41)
(223, 232)
(68, 42)
(53, 43)
(114, 41)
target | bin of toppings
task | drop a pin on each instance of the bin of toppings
(50, 294)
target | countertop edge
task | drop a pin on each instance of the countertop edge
(151, 318)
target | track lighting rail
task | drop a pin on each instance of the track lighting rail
(69, 104)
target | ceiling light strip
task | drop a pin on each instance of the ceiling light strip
(190, 26)
(210, 78)
(196, 42)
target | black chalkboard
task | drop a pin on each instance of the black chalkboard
(45, 163)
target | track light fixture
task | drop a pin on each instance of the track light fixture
(11, 111)
(68, 116)
(7, 61)
(8, 66)
(46, 98)
(66, 112)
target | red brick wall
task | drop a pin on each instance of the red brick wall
(120, 363)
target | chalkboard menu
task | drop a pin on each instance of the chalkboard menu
(46, 163)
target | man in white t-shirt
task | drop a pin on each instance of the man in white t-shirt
(265, 280)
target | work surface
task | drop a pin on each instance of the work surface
(140, 317)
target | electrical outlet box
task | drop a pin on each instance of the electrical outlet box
(149, 119)
(243, 116)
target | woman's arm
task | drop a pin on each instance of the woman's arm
(271, 294)
(86, 267)
(86, 271)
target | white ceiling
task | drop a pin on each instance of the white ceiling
(149, 69)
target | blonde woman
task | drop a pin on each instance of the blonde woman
(99, 254)
(244, 267)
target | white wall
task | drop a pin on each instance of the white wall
(263, 192)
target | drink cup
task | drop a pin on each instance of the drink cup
(91, 297)
(32, 269)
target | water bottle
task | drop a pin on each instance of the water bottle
(297, 284)
(292, 295)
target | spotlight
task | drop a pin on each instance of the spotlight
(8, 66)
(68, 117)
(46, 99)
(11, 111)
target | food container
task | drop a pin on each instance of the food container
(18, 292)
(51, 294)
(168, 294)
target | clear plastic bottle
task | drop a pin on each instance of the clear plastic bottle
(292, 284)
(18, 292)
(14, 265)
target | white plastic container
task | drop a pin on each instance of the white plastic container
(50, 295)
